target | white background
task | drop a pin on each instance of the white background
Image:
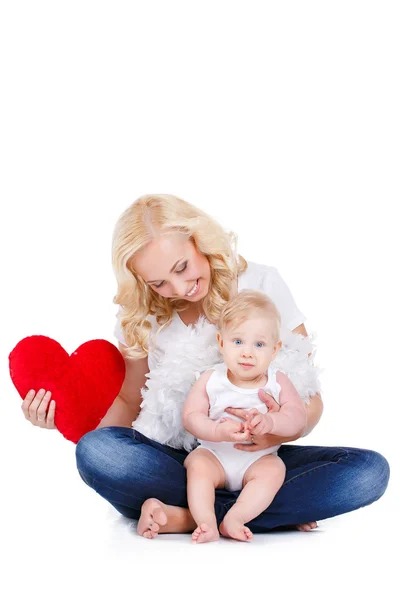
(281, 119)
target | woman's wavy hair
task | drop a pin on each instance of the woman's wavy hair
(146, 219)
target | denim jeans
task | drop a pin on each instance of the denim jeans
(126, 468)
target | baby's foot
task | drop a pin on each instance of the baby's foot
(234, 527)
(205, 533)
(152, 518)
(307, 526)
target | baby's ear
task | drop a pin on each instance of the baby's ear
(220, 340)
(277, 347)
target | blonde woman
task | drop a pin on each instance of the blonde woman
(176, 268)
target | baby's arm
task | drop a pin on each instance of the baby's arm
(291, 417)
(196, 421)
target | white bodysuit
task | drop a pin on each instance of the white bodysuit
(223, 394)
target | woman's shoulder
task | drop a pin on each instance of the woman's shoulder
(268, 279)
(256, 276)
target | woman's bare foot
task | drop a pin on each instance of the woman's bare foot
(157, 517)
(307, 526)
(205, 533)
(232, 526)
(152, 517)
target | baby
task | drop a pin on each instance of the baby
(249, 339)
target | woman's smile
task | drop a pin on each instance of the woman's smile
(194, 290)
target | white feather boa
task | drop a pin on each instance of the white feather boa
(195, 351)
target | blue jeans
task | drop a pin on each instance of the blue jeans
(125, 467)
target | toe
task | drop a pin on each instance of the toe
(196, 533)
(304, 527)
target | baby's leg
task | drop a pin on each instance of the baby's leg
(261, 482)
(204, 474)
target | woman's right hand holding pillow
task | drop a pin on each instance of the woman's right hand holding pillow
(39, 409)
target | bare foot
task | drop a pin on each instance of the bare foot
(152, 518)
(205, 533)
(307, 526)
(234, 527)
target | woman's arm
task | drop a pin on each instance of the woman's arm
(316, 406)
(126, 405)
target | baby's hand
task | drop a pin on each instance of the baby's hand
(229, 430)
(258, 423)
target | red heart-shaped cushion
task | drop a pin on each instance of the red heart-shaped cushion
(83, 385)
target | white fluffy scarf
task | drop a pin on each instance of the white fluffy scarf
(195, 351)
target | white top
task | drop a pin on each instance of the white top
(223, 393)
(256, 277)
(182, 351)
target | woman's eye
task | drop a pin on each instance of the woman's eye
(181, 271)
(184, 267)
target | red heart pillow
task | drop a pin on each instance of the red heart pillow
(83, 385)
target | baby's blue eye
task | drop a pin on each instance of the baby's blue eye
(234, 341)
(260, 344)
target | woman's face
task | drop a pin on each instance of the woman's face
(173, 267)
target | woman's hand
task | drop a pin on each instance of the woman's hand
(37, 409)
(260, 442)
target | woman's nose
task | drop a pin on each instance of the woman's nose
(180, 288)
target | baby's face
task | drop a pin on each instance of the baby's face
(248, 349)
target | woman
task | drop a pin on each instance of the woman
(174, 264)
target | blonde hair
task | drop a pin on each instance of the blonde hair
(247, 304)
(143, 221)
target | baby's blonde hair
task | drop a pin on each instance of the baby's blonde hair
(143, 221)
(247, 304)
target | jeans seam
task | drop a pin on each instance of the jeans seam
(331, 462)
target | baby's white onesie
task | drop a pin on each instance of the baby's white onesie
(222, 394)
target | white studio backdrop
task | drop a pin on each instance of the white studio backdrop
(281, 120)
